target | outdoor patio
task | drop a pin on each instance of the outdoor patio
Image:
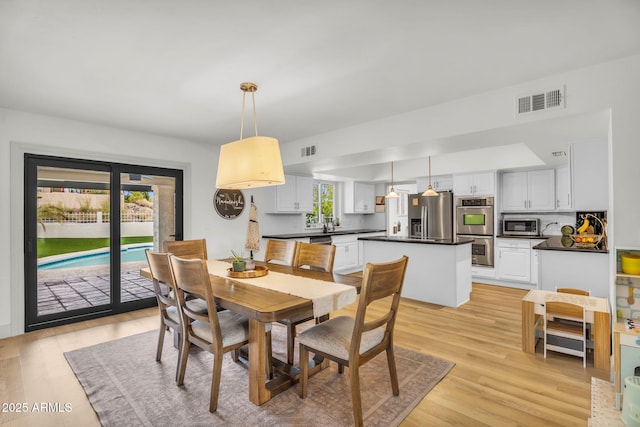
(76, 288)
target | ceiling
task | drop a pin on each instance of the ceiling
(174, 68)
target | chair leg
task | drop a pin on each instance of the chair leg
(215, 382)
(393, 373)
(235, 355)
(291, 338)
(184, 355)
(340, 368)
(303, 377)
(356, 400)
(163, 329)
(269, 356)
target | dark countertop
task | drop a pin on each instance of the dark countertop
(457, 241)
(506, 236)
(553, 243)
(304, 234)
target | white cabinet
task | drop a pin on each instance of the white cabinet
(480, 184)
(563, 189)
(439, 183)
(359, 198)
(294, 196)
(346, 257)
(514, 260)
(528, 191)
(590, 175)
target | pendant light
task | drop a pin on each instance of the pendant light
(250, 162)
(430, 192)
(392, 194)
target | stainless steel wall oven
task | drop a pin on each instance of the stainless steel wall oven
(474, 219)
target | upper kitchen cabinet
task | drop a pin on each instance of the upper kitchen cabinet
(294, 196)
(590, 175)
(528, 191)
(479, 184)
(563, 189)
(359, 198)
(439, 183)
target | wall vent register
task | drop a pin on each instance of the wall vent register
(539, 101)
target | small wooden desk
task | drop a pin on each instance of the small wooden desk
(596, 312)
(262, 305)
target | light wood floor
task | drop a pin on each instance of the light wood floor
(493, 383)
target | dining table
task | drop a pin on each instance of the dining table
(261, 303)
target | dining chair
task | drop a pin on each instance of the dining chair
(573, 291)
(217, 332)
(569, 335)
(164, 289)
(282, 251)
(316, 257)
(352, 341)
(187, 248)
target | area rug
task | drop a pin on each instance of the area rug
(603, 405)
(126, 386)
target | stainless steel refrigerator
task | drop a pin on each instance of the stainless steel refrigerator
(431, 217)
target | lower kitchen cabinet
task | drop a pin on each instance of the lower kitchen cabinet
(346, 257)
(584, 270)
(516, 260)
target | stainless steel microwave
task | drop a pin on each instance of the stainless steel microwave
(520, 227)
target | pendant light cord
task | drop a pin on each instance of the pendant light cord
(255, 121)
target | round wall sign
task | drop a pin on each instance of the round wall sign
(228, 203)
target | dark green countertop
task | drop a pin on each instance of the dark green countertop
(553, 243)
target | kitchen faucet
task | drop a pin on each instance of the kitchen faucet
(547, 226)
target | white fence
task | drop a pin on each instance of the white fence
(90, 230)
(99, 217)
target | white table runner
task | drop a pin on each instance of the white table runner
(326, 296)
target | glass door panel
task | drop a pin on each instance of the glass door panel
(73, 240)
(147, 219)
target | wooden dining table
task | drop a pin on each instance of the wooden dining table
(261, 306)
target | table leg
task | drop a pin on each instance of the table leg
(528, 327)
(602, 340)
(258, 392)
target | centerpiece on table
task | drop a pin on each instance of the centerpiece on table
(243, 268)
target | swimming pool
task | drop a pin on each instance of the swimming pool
(100, 257)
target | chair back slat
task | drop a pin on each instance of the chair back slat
(572, 291)
(564, 310)
(187, 248)
(381, 280)
(192, 277)
(281, 250)
(316, 257)
(160, 268)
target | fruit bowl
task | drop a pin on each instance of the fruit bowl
(585, 240)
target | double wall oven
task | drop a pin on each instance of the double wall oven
(474, 219)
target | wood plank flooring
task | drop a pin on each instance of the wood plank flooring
(493, 383)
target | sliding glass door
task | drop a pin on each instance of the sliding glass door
(87, 225)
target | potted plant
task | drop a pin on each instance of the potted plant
(238, 262)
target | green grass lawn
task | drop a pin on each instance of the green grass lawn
(57, 246)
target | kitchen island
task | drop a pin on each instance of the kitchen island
(572, 267)
(438, 272)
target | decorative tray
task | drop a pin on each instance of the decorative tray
(248, 274)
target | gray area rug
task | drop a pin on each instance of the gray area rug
(126, 386)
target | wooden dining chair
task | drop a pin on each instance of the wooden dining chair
(216, 332)
(187, 248)
(569, 336)
(282, 251)
(164, 288)
(354, 341)
(316, 257)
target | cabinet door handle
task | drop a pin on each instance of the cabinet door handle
(525, 204)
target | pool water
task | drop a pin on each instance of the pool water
(75, 260)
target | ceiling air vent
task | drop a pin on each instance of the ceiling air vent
(308, 151)
(539, 101)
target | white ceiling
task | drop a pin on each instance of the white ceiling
(174, 67)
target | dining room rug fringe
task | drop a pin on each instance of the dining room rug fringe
(126, 386)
